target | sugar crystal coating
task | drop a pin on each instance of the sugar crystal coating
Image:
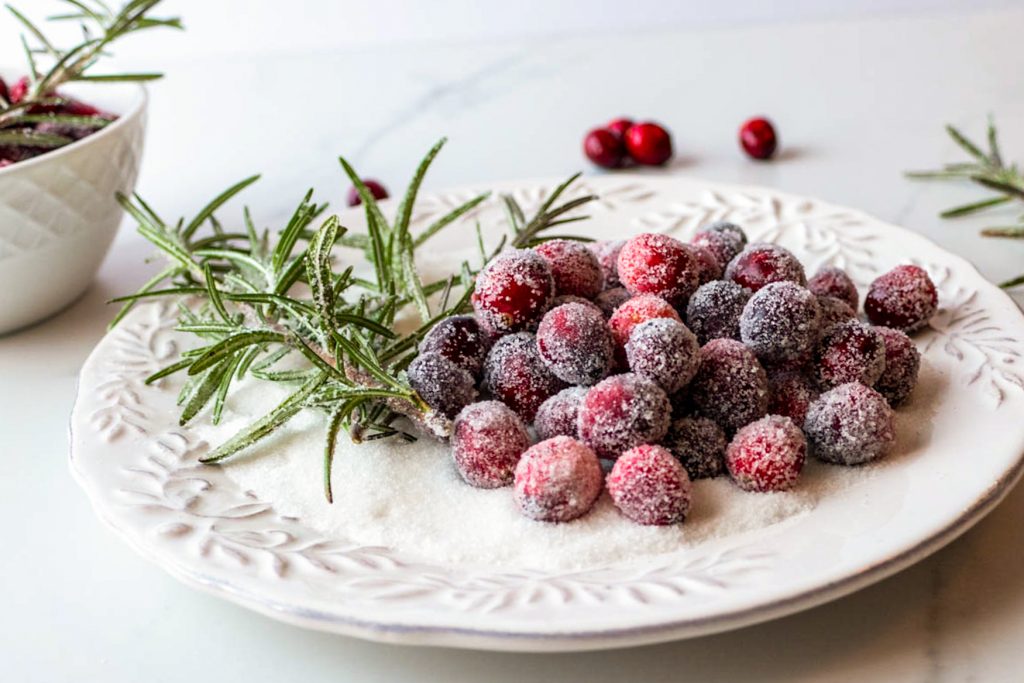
(664, 350)
(708, 266)
(607, 253)
(833, 312)
(512, 291)
(761, 264)
(835, 282)
(635, 311)
(460, 340)
(725, 240)
(850, 425)
(574, 267)
(623, 411)
(767, 455)
(557, 480)
(575, 343)
(905, 298)
(660, 265)
(714, 310)
(851, 352)
(780, 322)
(699, 444)
(610, 299)
(902, 363)
(487, 441)
(573, 299)
(730, 387)
(790, 394)
(516, 374)
(649, 486)
(446, 387)
(558, 415)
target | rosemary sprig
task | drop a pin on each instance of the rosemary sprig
(988, 170)
(280, 308)
(100, 26)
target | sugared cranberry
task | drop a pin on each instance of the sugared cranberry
(607, 253)
(730, 387)
(575, 268)
(557, 480)
(699, 444)
(902, 363)
(850, 425)
(714, 310)
(790, 393)
(649, 486)
(515, 373)
(665, 351)
(604, 148)
(487, 441)
(576, 344)
(557, 416)
(573, 299)
(780, 322)
(725, 240)
(19, 90)
(513, 291)
(376, 189)
(445, 386)
(74, 107)
(708, 267)
(648, 143)
(619, 126)
(611, 299)
(833, 312)
(633, 312)
(851, 352)
(832, 281)
(904, 298)
(757, 137)
(657, 264)
(460, 340)
(621, 412)
(762, 264)
(767, 455)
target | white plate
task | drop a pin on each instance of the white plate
(140, 470)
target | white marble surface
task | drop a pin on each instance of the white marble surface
(856, 102)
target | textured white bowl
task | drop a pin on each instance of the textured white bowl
(58, 214)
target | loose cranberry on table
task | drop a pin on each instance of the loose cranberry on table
(621, 412)
(633, 312)
(574, 267)
(835, 282)
(902, 363)
(445, 386)
(905, 298)
(665, 351)
(649, 486)
(780, 322)
(558, 415)
(604, 148)
(648, 144)
(607, 253)
(557, 480)
(515, 373)
(460, 340)
(762, 264)
(488, 439)
(714, 310)
(767, 455)
(731, 386)
(377, 190)
(699, 445)
(851, 352)
(850, 425)
(652, 263)
(513, 291)
(758, 138)
(575, 343)
(724, 239)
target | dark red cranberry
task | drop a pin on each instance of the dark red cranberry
(376, 189)
(833, 312)
(5, 94)
(516, 374)
(513, 291)
(73, 107)
(757, 136)
(649, 486)
(835, 282)
(619, 126)
(557, 480)
(904, 298)
(780, 322)
(575, 343)
(724, 239)
(558, 415)
(708, 267)
(714, 310)
(648, 144)
(664, 350)
(610, 299)
(851, 352)
(902, 363)
(850, 425)
(607, 253)
(790, 393)
(575, 268)
(487, 442)
(761, 264)
(446, 387)
(767, 455)
(460, 340)
(699, 444)
(730, 386)
(621, 412)
(654, 263)
(604, 148)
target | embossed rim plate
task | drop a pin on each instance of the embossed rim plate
(139, 468)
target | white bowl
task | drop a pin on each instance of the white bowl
(58, 214)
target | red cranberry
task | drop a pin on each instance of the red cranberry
(730, 387)
(780, 322)
(724, 239)
(516, 374)
(73, 107)
(832, 281)
(761, 264)
(657, 264)
(648, 143)
(757, 136)
(512, 291)
(714, 310)
(904, 298)
(633, 312)
(649, 486)
(619, 126)
(557, 480)
(576, 344)
(557, 416)
(699, 444)
(487, 441)
(610, 299)
(790, 394)
(850, 425)
(604, 148)
(19, 90)
(851, 352)
(621, 412)
(575, 268)
(376, 189)
(902, 363)
(665, 351)
(833, 312)
(767, 455)
(708, 267)
(460, 340)
(607, 253)
(446, 387)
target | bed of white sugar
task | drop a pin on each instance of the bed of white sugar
(408, 497)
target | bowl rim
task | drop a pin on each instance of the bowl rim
(139, 102)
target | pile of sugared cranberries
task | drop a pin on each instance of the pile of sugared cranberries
(660, 363)
(621, 142)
